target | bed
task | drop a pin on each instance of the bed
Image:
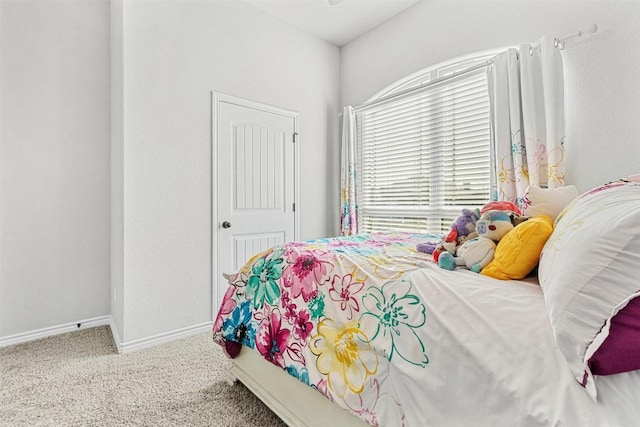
(366, 330)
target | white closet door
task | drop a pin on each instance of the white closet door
(255, 183)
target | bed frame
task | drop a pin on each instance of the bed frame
(293, 401)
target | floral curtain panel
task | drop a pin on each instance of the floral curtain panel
(526, 90)
(349, 213)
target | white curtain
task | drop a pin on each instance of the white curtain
(526, 90)
(348, 174)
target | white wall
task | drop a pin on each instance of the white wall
(174, 54)
(601, 79)
(54, 163)
(117, 168)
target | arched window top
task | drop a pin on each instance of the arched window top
(436, 71)
(423, 148)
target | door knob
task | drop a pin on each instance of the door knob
(226, 224)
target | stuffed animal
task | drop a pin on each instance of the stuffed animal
(427, 247)
(449, 244)
(509, 207)
(476, 253)
(502, 205)
(462, 229)
(465, 224)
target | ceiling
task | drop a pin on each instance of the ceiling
(338, 24)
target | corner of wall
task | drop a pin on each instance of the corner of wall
(1, 127)
(115, 334)
(117, 169)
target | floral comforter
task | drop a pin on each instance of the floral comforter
(332, 312)
(384, 333)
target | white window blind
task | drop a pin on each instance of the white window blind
(424, 155)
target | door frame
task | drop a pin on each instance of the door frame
(216, 99)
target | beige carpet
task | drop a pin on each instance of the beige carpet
(78, 379)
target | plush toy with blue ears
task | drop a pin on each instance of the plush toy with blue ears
(476, 253)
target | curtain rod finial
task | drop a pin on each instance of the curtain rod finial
(591, 29)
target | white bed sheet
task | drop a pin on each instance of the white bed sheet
(498, 363)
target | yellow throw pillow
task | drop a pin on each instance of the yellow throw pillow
(518, 252)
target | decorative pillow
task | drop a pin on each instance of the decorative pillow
(547, 201)
(519, 250)
(620, 352)
(589, 272)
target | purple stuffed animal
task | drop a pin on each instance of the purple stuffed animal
(464, 225)
(427, 247)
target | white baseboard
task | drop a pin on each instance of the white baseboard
(125, 347)
(54, 330)
(122, 347)
(114, 333)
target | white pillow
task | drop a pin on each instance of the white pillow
(589, 271)
(547, 201)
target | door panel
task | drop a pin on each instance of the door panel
(247, 246)
(258, 160)
(255, 184)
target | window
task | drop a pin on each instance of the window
(424, 154)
